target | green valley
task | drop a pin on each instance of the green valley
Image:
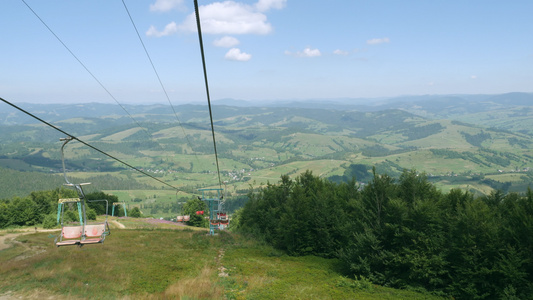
(257, 145)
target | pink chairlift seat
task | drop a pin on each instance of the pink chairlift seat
(94, 234)
(70, 235)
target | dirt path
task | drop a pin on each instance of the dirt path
(6, 241)
(120, 225)
(222, 270)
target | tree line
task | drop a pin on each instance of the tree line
(17, 183)
(403, 233)
(40, 208)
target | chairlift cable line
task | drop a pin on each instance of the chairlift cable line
(86, 144)
(157, 75)
(88, 71)
(197, 12)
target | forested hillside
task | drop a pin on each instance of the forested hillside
(402, 233)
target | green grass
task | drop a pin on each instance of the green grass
(121, 135)
(163, 196)
(508, 177)
(264, 273)
(155, 263)
(15, 164)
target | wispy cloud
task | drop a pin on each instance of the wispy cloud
(226, 42)
(340, 52)
(166, 5)
(236, 54)
(473, 77)
(307, 52)
(378, 41)
(171, 28)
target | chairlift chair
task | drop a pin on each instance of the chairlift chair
(84, 233)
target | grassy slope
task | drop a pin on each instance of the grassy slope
(149, 262)
(514, 119)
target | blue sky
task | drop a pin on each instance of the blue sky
(263, 49)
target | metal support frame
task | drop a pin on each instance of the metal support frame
(214, 204)
(81, 209)
(60, 208)
(123, 205)
(77, 186)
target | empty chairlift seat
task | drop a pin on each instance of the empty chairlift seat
(94, 234)
(70, 235)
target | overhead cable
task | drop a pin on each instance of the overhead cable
(88, 71)
(197, 11)
(86, 144)
(157, 75)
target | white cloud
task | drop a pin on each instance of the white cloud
(166, 5)
(378, 41)
(265, 5)
(171, 28)
(340, 52)
(307, 52)
(473, 77)
(236, 54)
(228, 17)
(226, 42)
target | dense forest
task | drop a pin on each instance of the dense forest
(402, 233)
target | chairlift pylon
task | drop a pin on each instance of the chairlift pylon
(119, 203)
(215, 202)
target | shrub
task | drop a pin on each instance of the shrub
(71, 216)
(135, 212)
(91, 214)
(50, 221)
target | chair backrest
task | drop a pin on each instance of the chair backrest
(71, 232)
(94, 230)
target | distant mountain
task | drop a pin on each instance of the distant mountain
(511, 111)
(519, 99)
(453, 104)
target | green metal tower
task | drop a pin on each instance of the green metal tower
(214, 198)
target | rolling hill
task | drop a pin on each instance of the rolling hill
(472, 142)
